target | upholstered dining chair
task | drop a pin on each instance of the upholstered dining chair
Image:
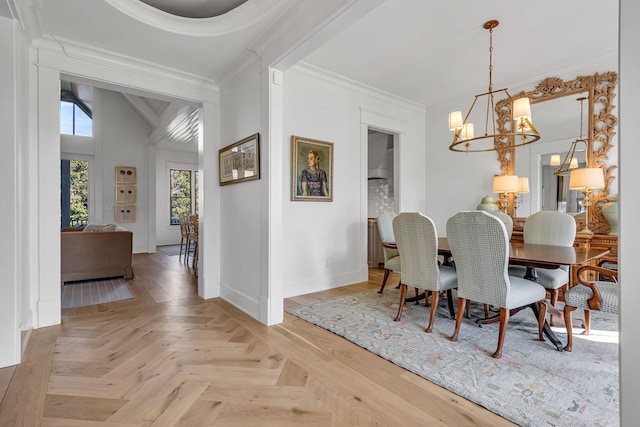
(508, 222)
(478, 242)
(590, 295)
(417, 242)
(548, 228)
(391, 254)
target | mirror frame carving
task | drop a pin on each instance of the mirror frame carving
(601, 91)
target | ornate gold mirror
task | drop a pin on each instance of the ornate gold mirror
(599, 90)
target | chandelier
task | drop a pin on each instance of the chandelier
(570, 160)
(522, 133)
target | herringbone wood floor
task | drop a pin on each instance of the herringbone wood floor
(169, 358)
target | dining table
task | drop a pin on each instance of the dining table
(534, 256)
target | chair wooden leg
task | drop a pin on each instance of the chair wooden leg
(567, 321)
(504, 321)
(461, 306)
(384, 280)
(181, 245)
(553, 294)
(435, 296)
(587, 322)
(541, 315)
(486, 311)
(403, 297)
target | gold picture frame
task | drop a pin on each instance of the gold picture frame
(240, 161)
(126, 194)
(311, 170)
(125, 213)
(125, 175)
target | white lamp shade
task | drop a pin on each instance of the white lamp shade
(574, 163)
(523, 185)
(555, 160)
(521, 108)
(467, 131)
(505, 184)
(586, 179)
(455, 120)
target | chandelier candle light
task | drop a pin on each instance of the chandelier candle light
(585, 180)
(570, 161)
(523, 131)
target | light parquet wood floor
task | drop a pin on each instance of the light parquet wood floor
(169, 358)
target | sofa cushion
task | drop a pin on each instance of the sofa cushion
(100, 227)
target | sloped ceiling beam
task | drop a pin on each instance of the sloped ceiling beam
(141, 107)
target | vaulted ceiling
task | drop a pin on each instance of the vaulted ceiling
(424, 51)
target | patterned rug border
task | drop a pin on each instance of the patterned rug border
(367, 326)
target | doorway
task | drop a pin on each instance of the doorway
(381, 189)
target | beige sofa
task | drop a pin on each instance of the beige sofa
(95, 254)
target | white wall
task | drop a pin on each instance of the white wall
(629, 208)
(167, 234)
(242, 217)
(324, 243)
(9, 317)
(124, 143)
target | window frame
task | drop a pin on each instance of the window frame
(192, 193)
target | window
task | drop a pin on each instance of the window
(75, 109)
(183, 188)
(74, 192)
(74, 121)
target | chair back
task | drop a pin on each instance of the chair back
(417, 242)
(508, 222)
(479, 245)
(550, 228)
(385, 226)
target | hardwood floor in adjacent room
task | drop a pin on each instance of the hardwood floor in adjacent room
(170, 358)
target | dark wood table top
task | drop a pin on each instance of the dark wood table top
(540, 256)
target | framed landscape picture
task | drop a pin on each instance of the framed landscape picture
(311, 169)
(240, 161)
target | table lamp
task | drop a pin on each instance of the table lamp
(523, 188)
(585, 180)
(505, 184)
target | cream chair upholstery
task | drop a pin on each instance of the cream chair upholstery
(417, 242)
(508, 222)
(391, 254)
(548, 228)
(591, 295)
(479, 244)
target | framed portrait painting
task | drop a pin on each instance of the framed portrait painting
(240, 161)
(311, 170)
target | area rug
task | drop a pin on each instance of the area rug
(80, 294)
(533, 384)
(169, 249)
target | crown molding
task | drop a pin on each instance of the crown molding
(338, 80)
(78, 54)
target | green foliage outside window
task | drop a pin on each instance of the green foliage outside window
(180, 190)
(79, 213)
